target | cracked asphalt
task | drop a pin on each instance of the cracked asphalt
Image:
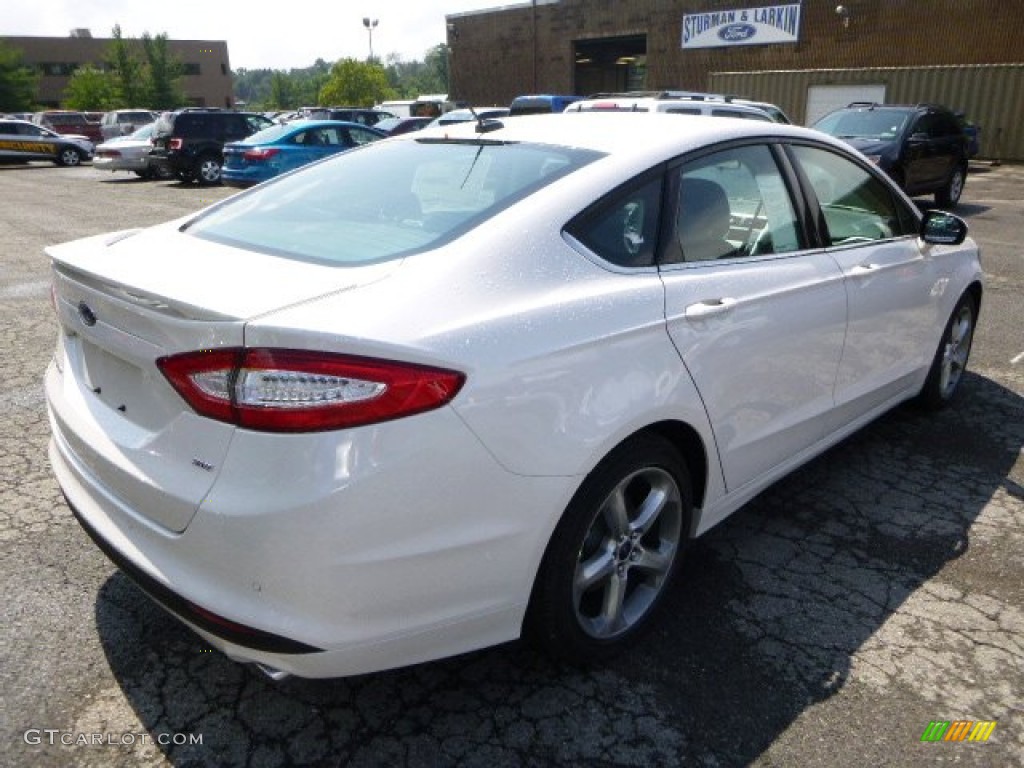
(827, 623)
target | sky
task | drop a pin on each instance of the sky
(275, 35)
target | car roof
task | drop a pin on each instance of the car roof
(652, 136)
(642, 101)
(305, 123)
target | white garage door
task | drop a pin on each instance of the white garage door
(822, 99)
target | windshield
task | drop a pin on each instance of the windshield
(386, 200)
(882, 124)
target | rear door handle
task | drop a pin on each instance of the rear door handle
(709, 308)
(865, 269)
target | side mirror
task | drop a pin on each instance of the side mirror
(941, 228)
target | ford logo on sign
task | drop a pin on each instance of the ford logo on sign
(737, 32)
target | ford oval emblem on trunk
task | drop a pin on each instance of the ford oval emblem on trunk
(87, 315)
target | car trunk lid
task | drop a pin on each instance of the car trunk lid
(123, 302)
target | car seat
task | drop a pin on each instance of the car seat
(703, 221)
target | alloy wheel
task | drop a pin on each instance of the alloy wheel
(627, 553)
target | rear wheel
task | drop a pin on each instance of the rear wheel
(951, 357)
(208, 169)
(614, 553)
(69, 156)
(949, 195)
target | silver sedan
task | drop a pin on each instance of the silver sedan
(129, 153)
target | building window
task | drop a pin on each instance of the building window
(190, 68)
(57, 68)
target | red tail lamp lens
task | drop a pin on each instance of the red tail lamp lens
(285, 390)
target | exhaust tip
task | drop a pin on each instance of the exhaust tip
(277, 675)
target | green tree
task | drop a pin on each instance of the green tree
(163, 73)
(356, 83)
(17, 81)
(282, 92)
(123, 63)
(90, 90)
(435, 64)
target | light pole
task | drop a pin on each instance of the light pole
(370, 24)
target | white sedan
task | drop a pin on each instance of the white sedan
(486, 381)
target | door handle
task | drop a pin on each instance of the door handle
(865, 269)
(709, 308)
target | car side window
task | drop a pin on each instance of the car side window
(732, 204)
(237, 126)
(256, 123)
(359, 136)
(856, 206)
(623, 228)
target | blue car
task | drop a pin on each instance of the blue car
(282, 148)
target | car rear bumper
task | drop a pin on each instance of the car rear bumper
(314, 561)
(120, 164)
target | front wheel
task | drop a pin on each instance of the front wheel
(949, 195)
(614, 553)
(68, 156)
(951, 357)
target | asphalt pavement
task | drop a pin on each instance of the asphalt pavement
(830, 622)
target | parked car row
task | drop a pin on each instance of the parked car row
(924, 148)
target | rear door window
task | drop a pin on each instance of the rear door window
(732, 204)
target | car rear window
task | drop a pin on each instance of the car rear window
(386, 200)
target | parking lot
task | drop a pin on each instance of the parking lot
(828, 623)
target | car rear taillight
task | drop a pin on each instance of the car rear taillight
(259, 155)
(287, 390)
(174, 144)
(108, 153)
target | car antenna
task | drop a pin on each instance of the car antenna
(483, 125)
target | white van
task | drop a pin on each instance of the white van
(399, 108)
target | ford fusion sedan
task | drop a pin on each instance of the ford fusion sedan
(282, 148)
(21, 141)
(454, 388)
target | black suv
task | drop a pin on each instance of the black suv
(923, 147)
(190, 142)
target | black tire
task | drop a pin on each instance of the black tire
(949, 195)
(207, 170)
(950, 359)
(69, 156)
(613, 555)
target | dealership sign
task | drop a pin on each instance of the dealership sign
(747, 26)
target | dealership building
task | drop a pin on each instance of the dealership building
(206, 77)
(808, 57)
